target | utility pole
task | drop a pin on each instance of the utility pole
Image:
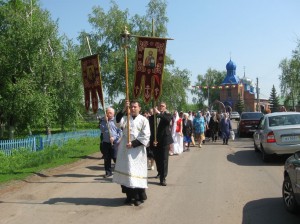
(257, 97)
(207, 82)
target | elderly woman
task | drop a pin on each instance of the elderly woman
(187, 129)
(199, 128)
(225, 126)
(214, 127)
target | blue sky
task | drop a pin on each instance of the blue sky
(256, 34)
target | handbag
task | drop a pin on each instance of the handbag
(232, 135)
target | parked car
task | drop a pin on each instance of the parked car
(291, 183)
(278, 133)
(248, 123)
(235, 115)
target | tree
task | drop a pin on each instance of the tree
(28, 38)
(240, 105)
(274, 100)
(174, 84)
(32, 62)
(290, 77)
(211, 78)
(69, 87)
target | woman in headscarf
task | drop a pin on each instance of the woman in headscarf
(187, 130)
(177, 134)
(225, 128)
(199, 128)
(214, 127)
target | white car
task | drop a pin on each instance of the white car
(235, 115)
(278, 133)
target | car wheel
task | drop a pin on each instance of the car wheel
(288, 195)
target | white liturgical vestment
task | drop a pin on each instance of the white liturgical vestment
(131, 165)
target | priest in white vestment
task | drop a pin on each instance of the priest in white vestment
(131, 165)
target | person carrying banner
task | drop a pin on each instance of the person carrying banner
(110, 137)
(164, 139)
(131, 165)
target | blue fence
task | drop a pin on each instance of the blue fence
(35, 143)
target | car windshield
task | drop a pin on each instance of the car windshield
(283, 120)
(251, 116)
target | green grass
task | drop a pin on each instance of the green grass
(24, 163)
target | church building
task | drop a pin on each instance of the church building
(233, 88)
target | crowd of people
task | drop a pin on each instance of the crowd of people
(138, 142)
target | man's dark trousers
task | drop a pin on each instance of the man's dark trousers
(162, 159)
(108, 153)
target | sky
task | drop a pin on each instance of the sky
(256, 35)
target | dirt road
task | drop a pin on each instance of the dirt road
(215, 184)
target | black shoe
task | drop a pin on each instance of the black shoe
(163, 183)
(143, 196)
(137, 203)
(157, 176)
(107, 175)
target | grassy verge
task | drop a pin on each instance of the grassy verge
(24, 163)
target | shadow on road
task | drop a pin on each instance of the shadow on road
(86, 157)
(268, 210)
(251, 158)
(95, 167)
(75, 175)
(107, 202)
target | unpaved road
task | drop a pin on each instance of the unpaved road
(216, 184)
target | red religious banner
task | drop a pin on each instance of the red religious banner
(149, 67)
(92, 81)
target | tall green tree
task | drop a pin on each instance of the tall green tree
(290, 77)
(210, 78)
(32, 63)
(274, 100)
(26, 36)
(69, 87)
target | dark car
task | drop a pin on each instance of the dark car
(248, 123)
(291, 183)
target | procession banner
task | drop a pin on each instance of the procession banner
(92, 82)
(149, 67)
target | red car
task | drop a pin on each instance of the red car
(248, 123)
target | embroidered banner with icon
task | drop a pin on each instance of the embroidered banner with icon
(149, 67)
(92, 82)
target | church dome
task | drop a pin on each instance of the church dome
(231, 78)
(230, 66)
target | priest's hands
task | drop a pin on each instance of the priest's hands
(129, 145)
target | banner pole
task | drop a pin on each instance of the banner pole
(126, 35)
(88, 42)
(154, 103)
